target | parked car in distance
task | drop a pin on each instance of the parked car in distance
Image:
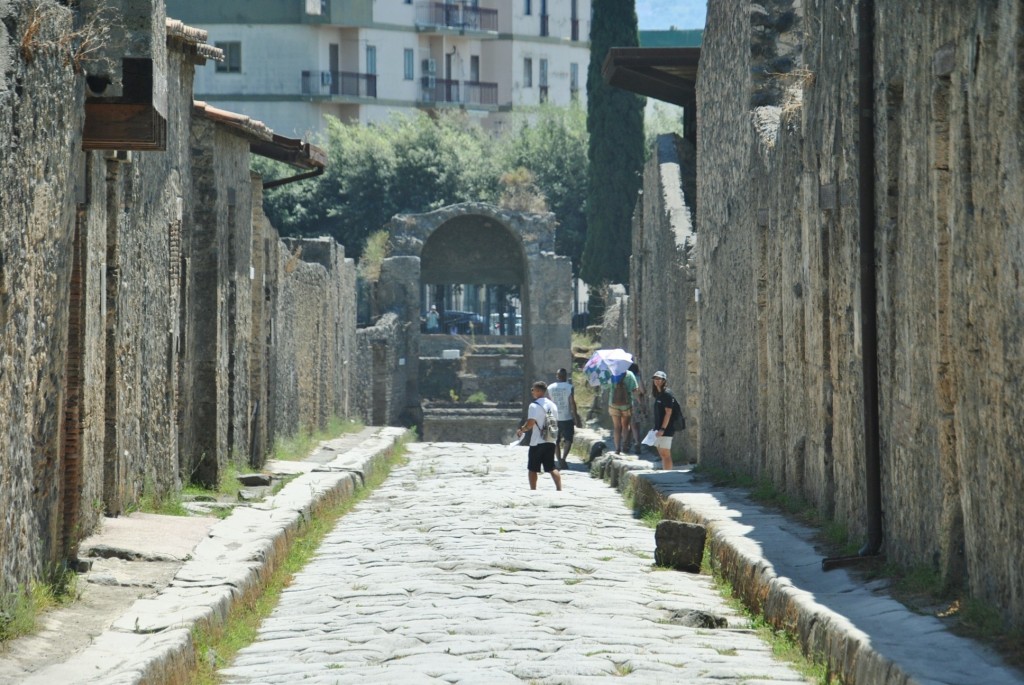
(463, 323)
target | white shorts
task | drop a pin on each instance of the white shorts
(664, 442)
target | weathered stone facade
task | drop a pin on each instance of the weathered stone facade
(782, 391)
(148, 310)
(659, 324)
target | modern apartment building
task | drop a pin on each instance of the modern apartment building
(290, 62)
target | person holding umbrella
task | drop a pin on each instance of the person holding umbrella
(610, 368)
(620, 408)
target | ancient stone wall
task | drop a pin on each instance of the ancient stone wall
(950, 160)
(314, 333)
(781, 323)
(140, 209)
(380, 384)
(659, 325)
(40, 115)
(140, 300)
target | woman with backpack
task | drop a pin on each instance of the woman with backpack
(667, 416)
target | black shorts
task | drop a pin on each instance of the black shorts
(541, 455)
(566, 430)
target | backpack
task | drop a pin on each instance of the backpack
(549, 430)
(677, 421)
(620, 395)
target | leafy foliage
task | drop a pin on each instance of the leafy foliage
(615, 125)
(418, 163)
(552, 145)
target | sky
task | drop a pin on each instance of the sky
(654, 15)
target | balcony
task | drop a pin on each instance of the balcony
(438, 90)
(347, 83)
(455, 16)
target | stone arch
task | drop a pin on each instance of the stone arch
(478, 243)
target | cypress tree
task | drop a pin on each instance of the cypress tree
(615, 122)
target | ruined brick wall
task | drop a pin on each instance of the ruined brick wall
(379, 387)
(40, 120)
(313, 330)
(782, 395)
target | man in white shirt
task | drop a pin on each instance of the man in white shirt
(542, 447)
(561, 393)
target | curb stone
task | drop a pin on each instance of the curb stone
(152, 642)
(743, 539)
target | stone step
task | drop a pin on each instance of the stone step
(490, 422)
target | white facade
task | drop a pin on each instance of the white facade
(485, 57)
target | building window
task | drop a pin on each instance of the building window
(527, 72)
(371, 59)
(408, 64)
(474, 68)
(543, 80)
(527, 7)
(232, 63)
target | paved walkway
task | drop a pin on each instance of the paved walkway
(455, 572)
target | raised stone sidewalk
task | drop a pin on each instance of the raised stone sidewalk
(151, 642)
(867, 637)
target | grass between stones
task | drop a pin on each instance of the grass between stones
(20, 610)
(216, 647)
(784, 645)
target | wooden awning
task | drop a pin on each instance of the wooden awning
(263, 141)
(666, 74)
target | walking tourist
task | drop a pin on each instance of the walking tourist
(561, 393)
(639, 418)
(542, 438)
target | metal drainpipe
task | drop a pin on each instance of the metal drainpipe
(868, 289)
(292, 179)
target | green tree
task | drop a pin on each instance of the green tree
(409, 164)
(616, 127)
(418, 163)
(552, 145)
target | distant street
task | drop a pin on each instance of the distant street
(455, 572)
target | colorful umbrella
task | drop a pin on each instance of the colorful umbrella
(607, 366)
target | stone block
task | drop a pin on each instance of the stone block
(679, 545)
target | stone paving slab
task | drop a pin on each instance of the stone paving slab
(454, 571)
(523, 562)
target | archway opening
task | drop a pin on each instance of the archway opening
(473, 273)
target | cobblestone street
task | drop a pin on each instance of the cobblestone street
(454, 571)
